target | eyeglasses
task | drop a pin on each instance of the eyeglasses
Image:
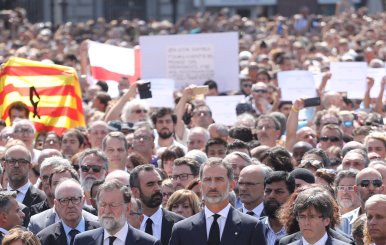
(66, 201)
(266, 127)
(111, 205)
(45, 178)
(143, 137)
(181, 177)
(331, 139)
(23, 130)
(314, 163)
(138, 111)
(13, 162)
(311, 218)
(376, 183)
(348, 123)
(76, 167)
(263, 91)
(345, 188)
(135, 213)
(95, 169)
(247, 85)
(201, 114)
(248, 184)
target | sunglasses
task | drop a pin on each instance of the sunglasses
(331, 139)
(376, 183)
(247, 85)
(263, 91)
(139, 111)
(95, 169)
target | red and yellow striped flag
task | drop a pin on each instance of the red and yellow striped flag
(54, 88)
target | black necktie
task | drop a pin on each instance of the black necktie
(214, 232)
(111, 240)
(149, 228)
(251, 213)
(72, 234)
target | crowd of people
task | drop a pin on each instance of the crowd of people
(174, 176)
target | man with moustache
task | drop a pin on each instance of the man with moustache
(145, 183)
(113, 200)
(279, 186)
(218, 222)
(164, 121)
(347, 199)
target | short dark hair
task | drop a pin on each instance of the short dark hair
(215, 161)
(117, 135)
(161, 113)
(19, 106)
(216, 141)
(211, 84)
(277, 176)
(321, 153)
(237, 144)
(77, 133)
(279, 159)
(5, 198)
(63, 169)
(241, 133)
(103, 97)
(191, 163)
(115, 185)
(134, 174)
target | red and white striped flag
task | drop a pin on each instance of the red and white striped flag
(110, 62)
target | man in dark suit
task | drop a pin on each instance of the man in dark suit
(145, 183)
(17, 165)
(314, 209)
(218, 223)
(113, 207)
(69, 200)
(10, 212)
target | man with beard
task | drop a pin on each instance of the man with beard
(164, 121)
(218, 221)
(347, 199)
(368, 183)
(279, 186)
(113, 207)
(268, 130)
(93, 165)
(115, 146)
(145, 183)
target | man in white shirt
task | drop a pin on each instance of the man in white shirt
(218, 221)
(113, 207)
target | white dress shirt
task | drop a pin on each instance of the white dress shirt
(81, 227)
(157, 223)
(221, 220)
(120, 236)
(322, 241)
(22, 191)
(257, 210)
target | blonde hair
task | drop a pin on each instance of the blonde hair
(183, 195)
(20, 234)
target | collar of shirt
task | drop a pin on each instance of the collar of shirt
(120, 235)
(4, 231)
(257, 210)
(81, 227)
(282, 230)
(22, 189)
(224, 212)
(157, 223)
(322, 241)
(221, 220)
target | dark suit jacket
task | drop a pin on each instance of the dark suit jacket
(33, 196)
(331, 232)
(134, 236)
(262, 214)
(240, 229)
(330, 241)
(39, 207)
(168, 220)
(55, 234)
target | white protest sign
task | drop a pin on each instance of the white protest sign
(224, 108)
(377, 74)
(296, 84)
(348, 77)
(192, 59)
(162, 92)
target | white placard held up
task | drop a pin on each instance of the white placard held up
(192, 59)
(224, 108)
(348, 77)
(296, 84)
(377, 74)
(162, 91)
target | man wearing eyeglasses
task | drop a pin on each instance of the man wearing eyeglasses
(184, 170)
(24, 130)
(113, 208)
(17, 165)
(69, 200)
(346, 197)
(368, 183)
(260, 98)
(330, 135)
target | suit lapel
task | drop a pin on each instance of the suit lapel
(232, 228)
(329, 241)
(199, 228)
(28, 197)
(60, 234)
(98, 237)
(50, 219)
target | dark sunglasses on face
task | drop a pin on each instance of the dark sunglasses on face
(139, 111)
(95, 169)
(375, 182)
(331, 139)
(247, 85)
(263, 91)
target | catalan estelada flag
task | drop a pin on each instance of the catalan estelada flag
(51, 92)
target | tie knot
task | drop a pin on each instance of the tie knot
(149, 221)
(216, 216)
(73, 232)
(111, 240)
(251, 213)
